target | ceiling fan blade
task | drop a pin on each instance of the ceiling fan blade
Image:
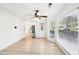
(43, 16)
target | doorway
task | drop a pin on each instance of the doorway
(33, 31)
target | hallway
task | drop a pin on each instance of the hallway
(32, 47)
(37, 29)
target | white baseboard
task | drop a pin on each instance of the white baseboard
(62, 48)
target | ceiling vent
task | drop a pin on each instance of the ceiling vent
(50, 4)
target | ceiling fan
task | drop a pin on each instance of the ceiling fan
(36, 15)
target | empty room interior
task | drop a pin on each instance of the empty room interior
(39, 28)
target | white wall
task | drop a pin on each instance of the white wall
(48, 28)
(28, 27)
(40, 33)
(8, 34)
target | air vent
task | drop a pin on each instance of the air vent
(50, 4)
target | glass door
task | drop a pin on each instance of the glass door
(68, 34)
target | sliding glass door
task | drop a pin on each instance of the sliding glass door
(68, 33)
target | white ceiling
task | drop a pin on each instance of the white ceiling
(23, 9)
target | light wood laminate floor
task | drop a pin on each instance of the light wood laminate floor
(29, 46)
